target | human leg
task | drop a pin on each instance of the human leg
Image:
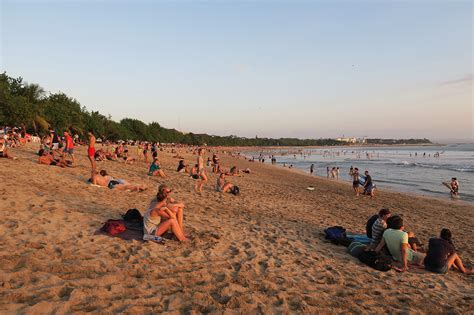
(173, 223)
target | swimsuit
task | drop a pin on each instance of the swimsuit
(91, 151)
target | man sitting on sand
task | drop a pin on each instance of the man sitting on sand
(441, 255)
(155, 169)
(105, 180)
(4, 148)
(182, 167)
(380, 225)
(397, 243)
(163, 213)
(222, 185)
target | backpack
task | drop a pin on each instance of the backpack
(368, 226)
(337, 235)
(372, 259)
(235, 190)
(132, 215)
(114, 227)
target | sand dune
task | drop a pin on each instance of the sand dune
(261, 252)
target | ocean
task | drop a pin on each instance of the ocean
(414, 169)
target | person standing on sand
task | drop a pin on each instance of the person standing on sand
(91, 150)
(327, 170)
(201, 172)
(69, 148)
(454, 187)
(311, 169)
(355, 181)
(337, 173)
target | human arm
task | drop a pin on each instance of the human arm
(380, 245)
(403, 255)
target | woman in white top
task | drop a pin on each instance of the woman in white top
(159, 217)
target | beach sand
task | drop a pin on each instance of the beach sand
(260, 252)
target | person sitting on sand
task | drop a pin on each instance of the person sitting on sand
(182, 167)
(397, 243)
(380, 225)
(155, 169)
(105, 180)
(441, 255)
(163, 215)
(4, 152)
(222, 185)
(47, 158)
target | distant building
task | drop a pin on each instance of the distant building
(347, 140)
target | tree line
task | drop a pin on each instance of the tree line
(28, 105)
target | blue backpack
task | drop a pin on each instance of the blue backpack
(337, 235)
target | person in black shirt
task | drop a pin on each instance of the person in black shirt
(369, 188)
(441, 255)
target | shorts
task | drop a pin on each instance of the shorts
(91, 152)
(113, 183)
(55, 146)
(417, 257)
(355, 184)
(443, 269)
(69, 151)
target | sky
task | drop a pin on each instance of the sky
(306, 69)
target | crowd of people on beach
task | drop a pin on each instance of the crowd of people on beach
(387, 232)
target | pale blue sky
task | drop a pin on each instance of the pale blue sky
(269, 68)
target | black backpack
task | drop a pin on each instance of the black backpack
(132, 215)
(378, 262)
(337, 235)
(368, 226)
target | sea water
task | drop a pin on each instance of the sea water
(415, 169)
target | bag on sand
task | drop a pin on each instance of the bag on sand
(114, 227)
(337, 235)
(378, 262)
(132, 215)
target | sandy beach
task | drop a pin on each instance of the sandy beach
(260, 252)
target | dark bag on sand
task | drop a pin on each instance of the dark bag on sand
(235, 190)
(368, 226)
(378, 262)
(132, 215)
(114, 227)
(337, 235)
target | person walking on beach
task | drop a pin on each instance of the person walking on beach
(355, 181)
(91, 149)
(69, 148)
(201, 172)
(454, 187)
(311, 169)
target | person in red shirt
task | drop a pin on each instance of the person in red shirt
(69, 147)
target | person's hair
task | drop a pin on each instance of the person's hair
(383, 212)
(103, 172)
(90, 130)
(395, 222)
(161, 195)
(446, 235)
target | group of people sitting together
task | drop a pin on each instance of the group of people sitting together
(388, 236)
(8, 139)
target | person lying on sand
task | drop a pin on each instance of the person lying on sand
(441, 255)
(104, 179)
(222, 185)
(47, 158)
(162, 215)
(397, 243)
(155, 169)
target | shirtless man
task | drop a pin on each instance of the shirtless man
(48, 159)
(91, 149)
(201, 172)
(355, 181)
(104, 179)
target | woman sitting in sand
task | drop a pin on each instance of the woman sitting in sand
(105, 180)
(182, 167)
(164, 213)
(155, 169)
(222, 185)
(194, 172)
(441, 255)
